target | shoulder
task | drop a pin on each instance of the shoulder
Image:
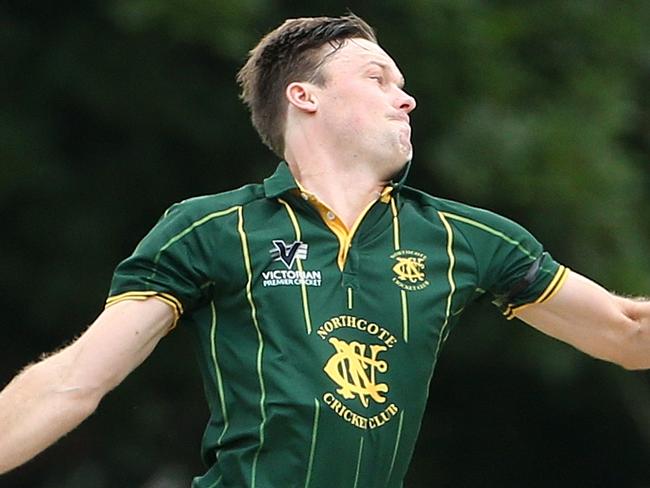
(193, 213)
(467, 219)
(205, 205)
(451, 209)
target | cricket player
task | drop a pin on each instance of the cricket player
(322, 296)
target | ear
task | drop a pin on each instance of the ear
(302, 96)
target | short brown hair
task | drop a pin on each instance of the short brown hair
(285, 55)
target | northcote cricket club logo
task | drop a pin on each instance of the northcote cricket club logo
(290, 255)
(358, 369)
(409, 269)
(355, 372)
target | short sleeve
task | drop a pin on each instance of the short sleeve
(169, 263)
(511, 264)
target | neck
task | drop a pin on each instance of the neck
(345, 187)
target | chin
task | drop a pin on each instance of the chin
(394, 166)
(406, 152)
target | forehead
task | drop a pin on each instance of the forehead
(357, 54)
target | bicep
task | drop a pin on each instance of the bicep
(585, 315)
(118, 341)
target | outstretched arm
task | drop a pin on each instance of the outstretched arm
(595, 321)
(52, 397)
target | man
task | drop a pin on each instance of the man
(322, 296)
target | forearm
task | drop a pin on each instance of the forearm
(38, 407)
(595, 321)
(52, 397)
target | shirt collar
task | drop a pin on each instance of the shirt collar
(279, 182)
(282, 180)
(399, 179)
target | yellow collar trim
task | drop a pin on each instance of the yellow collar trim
(335, 224)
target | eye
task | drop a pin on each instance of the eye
(378, 78)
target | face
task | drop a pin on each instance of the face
(363, 106)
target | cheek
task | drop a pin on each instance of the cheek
(351, 114)
(363, 122)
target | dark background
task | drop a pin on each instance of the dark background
(112, 110)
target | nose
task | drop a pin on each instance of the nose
(406, 102)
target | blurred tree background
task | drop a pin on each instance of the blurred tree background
(112, 110)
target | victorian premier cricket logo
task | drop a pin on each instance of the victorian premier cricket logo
(287, 254)
(356, 368)
(290, 255)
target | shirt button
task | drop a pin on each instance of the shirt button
(330, 215)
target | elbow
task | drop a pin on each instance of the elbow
(82, 400)
(64, 387)
(633, 349)
(83, 393)
(635, 364)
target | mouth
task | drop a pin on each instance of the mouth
(402, 118)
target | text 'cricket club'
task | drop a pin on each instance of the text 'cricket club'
(290, 254)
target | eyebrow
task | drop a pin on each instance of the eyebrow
(386, 67)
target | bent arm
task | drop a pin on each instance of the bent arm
(595, 321)
(52, 397)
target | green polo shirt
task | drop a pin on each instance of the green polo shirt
(317, 343)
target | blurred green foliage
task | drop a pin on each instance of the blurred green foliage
(538, 110)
